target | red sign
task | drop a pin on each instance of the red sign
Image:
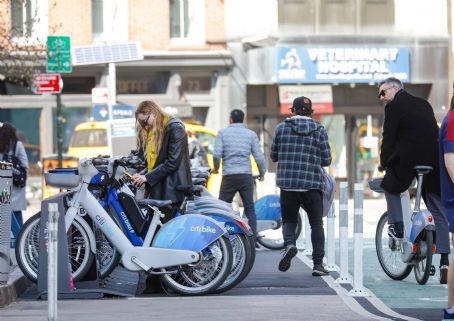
(320, 95)
(48, 83)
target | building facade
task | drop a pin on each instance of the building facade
(336, 52)
(186, 65)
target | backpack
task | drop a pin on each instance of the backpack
(19, 171)
(328, 191)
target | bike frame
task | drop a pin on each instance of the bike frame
(144, 257)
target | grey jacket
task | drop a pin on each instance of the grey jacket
(19, 202)
(234, 145)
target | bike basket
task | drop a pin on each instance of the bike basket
(375, 184)
(63, 178)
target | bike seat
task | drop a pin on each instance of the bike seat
(422, 169)
(157, 203)
(375, 185)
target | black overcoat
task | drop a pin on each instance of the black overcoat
(172, 167)
(410, 138)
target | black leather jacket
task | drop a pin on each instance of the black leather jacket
(172, 167)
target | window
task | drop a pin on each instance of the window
(187, 22)
(296, 16)
(131, 82)
(377, 15)
(337, 16)
(97, 24)
(89, 138)
(22, 18)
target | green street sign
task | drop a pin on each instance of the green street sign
(59, 54)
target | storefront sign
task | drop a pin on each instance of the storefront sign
(101, 111)
(341, 64)
(320, 95)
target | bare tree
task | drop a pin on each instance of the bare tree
(22, 55)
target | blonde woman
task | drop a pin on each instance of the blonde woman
(164, 144)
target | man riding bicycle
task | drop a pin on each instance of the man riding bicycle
(410, 138)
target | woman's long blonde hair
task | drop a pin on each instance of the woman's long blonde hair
(146, 107)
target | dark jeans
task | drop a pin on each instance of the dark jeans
(244, 184)
(311, 201)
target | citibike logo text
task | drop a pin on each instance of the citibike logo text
(202, 229)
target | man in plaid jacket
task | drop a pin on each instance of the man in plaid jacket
(300, 146)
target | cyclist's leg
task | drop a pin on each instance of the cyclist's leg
(395, 216)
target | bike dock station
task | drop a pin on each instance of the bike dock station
(120, 283)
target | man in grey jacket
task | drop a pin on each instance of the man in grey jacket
(234, 145)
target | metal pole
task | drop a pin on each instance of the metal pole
(52, 258)
(307, 235)
(358, 290)
(331, 255)
(343, 233)
(59, 130)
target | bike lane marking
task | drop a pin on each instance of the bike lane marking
(354, 303)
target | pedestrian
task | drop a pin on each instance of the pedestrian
(300, 147)
(163, 142)
(447, 191)
(11, 146)
(410, 138)
(234, 146)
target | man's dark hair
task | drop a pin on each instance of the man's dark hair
(237, 116)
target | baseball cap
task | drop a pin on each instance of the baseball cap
(302, 103)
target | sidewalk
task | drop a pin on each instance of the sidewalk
(266, 294)
(17, 284)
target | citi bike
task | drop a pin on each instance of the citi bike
(398, 257)
(191, 253)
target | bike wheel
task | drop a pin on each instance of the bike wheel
(273, 239)
(107, 255)
(242, 257)
(27, 249)
(390, 258)
(204, 276)
(423, 258)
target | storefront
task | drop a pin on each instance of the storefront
(342, 80)
(191, 85)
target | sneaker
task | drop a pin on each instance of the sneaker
(447, 315)
(444, 274)
(319, 270)
(289, 253)
(395, 231)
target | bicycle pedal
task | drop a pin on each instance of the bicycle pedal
(432, 270)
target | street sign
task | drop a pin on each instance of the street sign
(100, 95)
(59, 54)
(47, 83)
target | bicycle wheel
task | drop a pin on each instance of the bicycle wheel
(107, 255)
(27, 249)
(389, 256)
(241, 262)
(204, 276)
(423, 258)
(273, 239)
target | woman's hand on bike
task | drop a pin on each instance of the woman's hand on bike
(138, 180)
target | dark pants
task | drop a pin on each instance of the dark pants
(311, 201)
(244, 184)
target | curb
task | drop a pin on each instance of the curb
(10, 291)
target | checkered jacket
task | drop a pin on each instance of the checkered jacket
(300, 146)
